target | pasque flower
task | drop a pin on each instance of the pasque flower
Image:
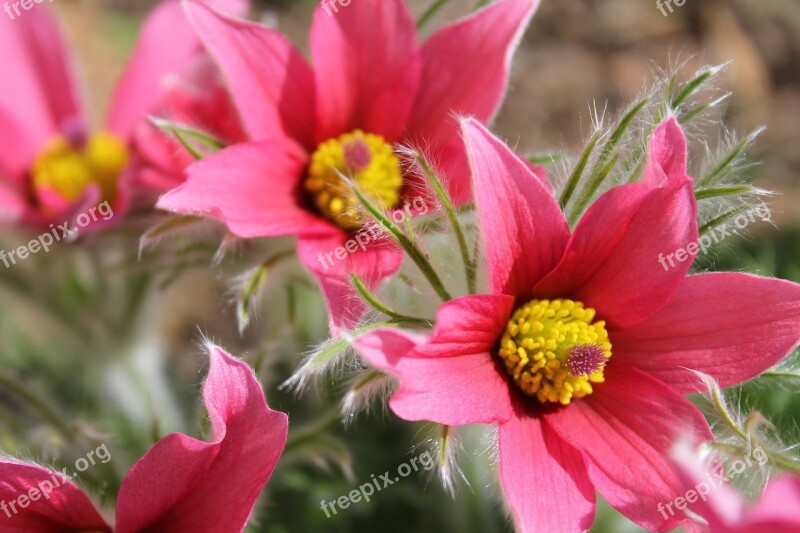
(724, 510)
(181, 485)
(777, 511)
(371, 86)
(56, 167)
(583, 345)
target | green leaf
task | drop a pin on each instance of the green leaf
(253, 286)
(716, 192)
(724, 166)
(714, 222)
(186, 135)
(577, 172)
(695, 84)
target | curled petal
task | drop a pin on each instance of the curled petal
(182, 483)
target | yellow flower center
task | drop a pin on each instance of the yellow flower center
(68, 169)
(366, 159)
(553, 350)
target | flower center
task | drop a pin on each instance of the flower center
(68, 167)
(553, 350)
(366, 159)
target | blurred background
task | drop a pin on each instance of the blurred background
(577, 55)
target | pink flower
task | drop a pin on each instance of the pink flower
(181, 485)
(372, 85)
(56, 168)
(725, 511)
(199, 100)
(582, 348)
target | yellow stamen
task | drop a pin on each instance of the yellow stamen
(365, 158)
(554, 351)
(69, 170)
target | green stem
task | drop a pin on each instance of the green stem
(15, 387)
(785, 463)
(385, 309)
(726, 416)
(430, 13)
(20, 286)
(469, 263)
(410, 248)
(305, 434)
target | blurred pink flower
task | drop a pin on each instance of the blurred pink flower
(56, 168)
(371, 86)
(535, 354)
(181, 484)
(726, 511)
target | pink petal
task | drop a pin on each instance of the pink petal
(719, 503)
(485, 317)
(543, 477)
(702, 326)
(613, 256)
(379, 259)
(625, 431)
(270, 81)
(184, 485)
(453, 378)
(52, 504)
(42, 93)
(199, 100)
(466, 68)
(12, 205)
(666, 162)
(525, 231)
(165, 45)
(778, 511)
(367, 66)
(163, 158)
(15, 164)
(252, 188)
